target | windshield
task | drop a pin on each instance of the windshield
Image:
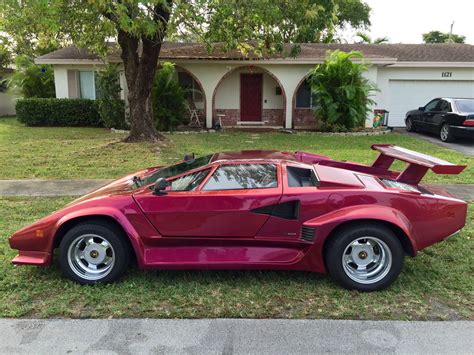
(465, 105)
(177, 169)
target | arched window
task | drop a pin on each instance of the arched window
(304, 97)
(193, 89)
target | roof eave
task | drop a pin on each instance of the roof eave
(408, 64)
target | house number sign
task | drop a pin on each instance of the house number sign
(446, 74)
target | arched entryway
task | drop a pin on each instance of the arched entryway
(249, 96)
(194, 91)
(303, 106)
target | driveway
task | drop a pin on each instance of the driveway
(233, 336)
(463, 146)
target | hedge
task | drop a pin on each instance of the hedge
(58, 112)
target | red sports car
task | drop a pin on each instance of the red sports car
(253, 210)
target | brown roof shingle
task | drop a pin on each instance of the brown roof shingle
(308, 51)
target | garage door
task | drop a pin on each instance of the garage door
(406, 95)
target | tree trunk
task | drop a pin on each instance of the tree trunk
(140, 69)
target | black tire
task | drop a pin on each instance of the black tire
(410, 127)
(339, 246)
(118, 251)
(446, 133)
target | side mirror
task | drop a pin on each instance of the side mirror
(421, 108)
(188, 158)
(160, 185)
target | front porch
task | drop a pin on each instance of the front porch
(251, 96)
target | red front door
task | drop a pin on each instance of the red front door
(251, 97)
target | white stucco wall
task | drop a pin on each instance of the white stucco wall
(60, 82)
(7, 104)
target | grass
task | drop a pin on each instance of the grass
(94, 153)
(438, 284)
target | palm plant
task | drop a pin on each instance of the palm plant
(365, 38)
(341, 92)
(169, 99)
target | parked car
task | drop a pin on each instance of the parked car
(253, 210)
(449, 117)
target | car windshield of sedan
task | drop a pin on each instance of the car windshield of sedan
(465, 105)
(176, 169)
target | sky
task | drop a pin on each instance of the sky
(404, 21)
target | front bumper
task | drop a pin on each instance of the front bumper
(37, 258)
(463, 131)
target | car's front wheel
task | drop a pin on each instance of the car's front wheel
(446, 134)
(94, 252)
(409, 125)
(364, 257)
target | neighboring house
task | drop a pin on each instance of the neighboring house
(7, 99)
(272, 91)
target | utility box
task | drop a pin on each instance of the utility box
(380, 118)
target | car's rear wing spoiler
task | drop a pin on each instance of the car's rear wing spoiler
(418, 164)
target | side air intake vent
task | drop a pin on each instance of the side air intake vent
(307, 234)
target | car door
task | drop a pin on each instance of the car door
(219, 205)
(438, 117)
(428, 116)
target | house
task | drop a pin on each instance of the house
(7, 99)
(273, 91)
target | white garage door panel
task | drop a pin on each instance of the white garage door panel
(406, 95)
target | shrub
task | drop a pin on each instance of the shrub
(112, 113)
(58, 112)
(32, 80)
(111, 107)
(169, 100)
(340, 91)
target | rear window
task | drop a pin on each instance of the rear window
(465, 105)
(301, 177)
(242, 176)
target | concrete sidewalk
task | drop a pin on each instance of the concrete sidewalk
(233, 336)
(45, 188)
(81, 187)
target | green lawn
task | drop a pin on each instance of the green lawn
(437, 284)
(66, 153)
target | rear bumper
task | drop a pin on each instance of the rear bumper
(463, 131)
(37, 258)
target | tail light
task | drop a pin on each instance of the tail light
(468, 122)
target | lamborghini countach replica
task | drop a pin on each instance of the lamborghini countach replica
(253, 210)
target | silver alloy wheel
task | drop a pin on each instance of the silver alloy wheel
(91, 257)
(367, 260)
(444, 132)
(409, 124)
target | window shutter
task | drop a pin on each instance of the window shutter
(72, 84)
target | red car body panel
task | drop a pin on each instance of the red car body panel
(231, 229)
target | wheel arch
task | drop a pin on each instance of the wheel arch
(68, 222)
(396, 229)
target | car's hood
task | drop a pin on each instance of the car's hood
(122, 186)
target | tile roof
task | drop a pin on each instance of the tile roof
(308, 51)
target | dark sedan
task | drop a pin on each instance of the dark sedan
(451, 118)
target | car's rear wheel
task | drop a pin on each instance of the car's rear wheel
(364, 257)
(445, 133)
(94, 253)
(409, 125)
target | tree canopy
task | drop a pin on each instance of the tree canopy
(140, 27)
(442, 37)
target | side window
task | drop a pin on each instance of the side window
(243, 176)
(189, 182)
(444, 106)
(432, 106)
(300, 177)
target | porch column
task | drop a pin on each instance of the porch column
(209, 108)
